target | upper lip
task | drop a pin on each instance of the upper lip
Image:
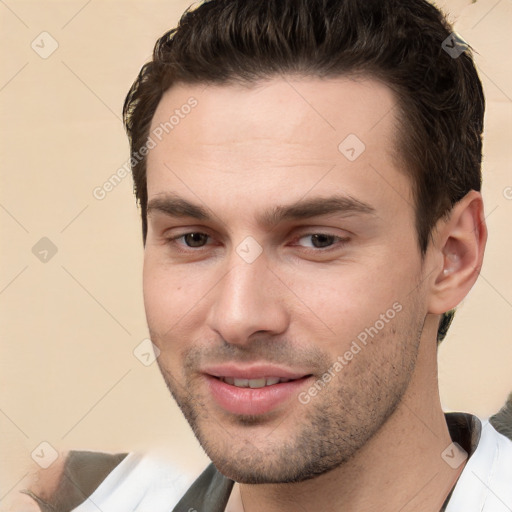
(254, 371)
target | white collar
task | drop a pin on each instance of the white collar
(485, 484)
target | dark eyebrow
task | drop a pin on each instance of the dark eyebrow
(315, 207)
(176, 206)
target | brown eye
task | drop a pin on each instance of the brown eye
(321, 240)
(195, 239)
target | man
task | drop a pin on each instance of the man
(308, 173)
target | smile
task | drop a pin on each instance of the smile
(253, 383)
(253, 395)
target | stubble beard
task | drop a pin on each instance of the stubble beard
(314, 438)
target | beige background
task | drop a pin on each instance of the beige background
(69, 326)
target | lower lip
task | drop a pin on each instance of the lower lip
(253, 401)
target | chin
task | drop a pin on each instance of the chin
(280, 472)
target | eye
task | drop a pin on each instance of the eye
(321, 240)
(192, 240)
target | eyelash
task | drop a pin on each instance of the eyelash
(340, 242)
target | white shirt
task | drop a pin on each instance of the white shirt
(485, 484)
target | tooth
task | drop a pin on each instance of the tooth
(241, 383)
(229, 380)
(284, 380)
(257, 383)
(272, 380)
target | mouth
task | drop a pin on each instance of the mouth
(254, 390)
(254, 383)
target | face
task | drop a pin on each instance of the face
(282, 275)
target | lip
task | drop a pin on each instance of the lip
(254, 371)
(253, 401)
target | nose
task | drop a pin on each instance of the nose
(248, 299)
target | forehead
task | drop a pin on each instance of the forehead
(292, 108)
(275, 137)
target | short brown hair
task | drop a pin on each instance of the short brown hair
(399, 42)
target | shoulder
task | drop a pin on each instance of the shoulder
(146, 481)
(83, 481)
(70, 480)
(502, 420)
(485, 484)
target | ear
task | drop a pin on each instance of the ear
(458, 251)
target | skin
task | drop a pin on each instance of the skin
(243, 151)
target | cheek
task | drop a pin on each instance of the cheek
(350, 298)
(165, 312)
(173, 297)
(161, 285)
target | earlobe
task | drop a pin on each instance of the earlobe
(460, 244)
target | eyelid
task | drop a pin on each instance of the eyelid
(174, 240)
(179, 231)
(338, 243)
(339, 240)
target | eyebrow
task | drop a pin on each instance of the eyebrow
(175, 206)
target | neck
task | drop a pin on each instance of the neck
(400, 468)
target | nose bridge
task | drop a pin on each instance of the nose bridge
(246, 299)
(244, 287)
